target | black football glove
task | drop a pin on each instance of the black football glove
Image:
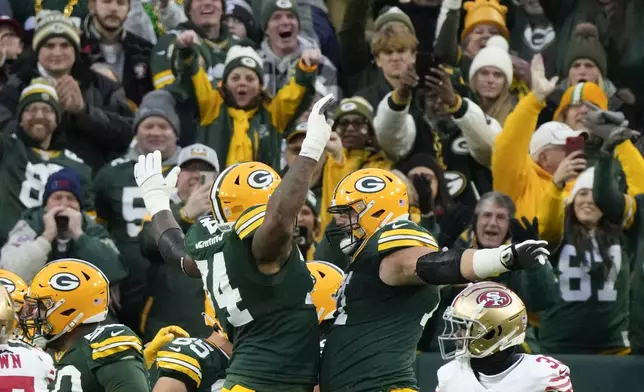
(525, 255)
(526, 231)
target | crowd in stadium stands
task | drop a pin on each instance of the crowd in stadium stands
(508, 120)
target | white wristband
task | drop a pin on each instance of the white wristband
(487, 263)
(156, 201)
(312, 148)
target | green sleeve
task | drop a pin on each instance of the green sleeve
(160, 61)
(605, 191)
(100, 202)
(96, 245)
(446, 48)
(538, 288)
(123, 376)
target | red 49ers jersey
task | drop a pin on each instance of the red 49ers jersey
(532, 373)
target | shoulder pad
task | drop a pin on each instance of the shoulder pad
(404, 234)
(182, 357)
(249, 221)
(112, 342)
(203, 235)
(555, 373)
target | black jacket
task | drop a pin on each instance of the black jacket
(104, 130)
(137, 78)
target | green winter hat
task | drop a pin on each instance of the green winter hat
(393, 14)
(278, 5)
(585, 44)
(313, 203)
(354, 105)
(39, 90)
(243, 56)
(299, 129)
(52, 24)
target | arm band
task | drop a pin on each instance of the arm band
(172, 247)
(439, 268)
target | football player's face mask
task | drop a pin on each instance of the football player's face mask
(346, 219)
(33, 318)
(483, 319)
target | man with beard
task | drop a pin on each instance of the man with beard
(107, 41)
(27, 158)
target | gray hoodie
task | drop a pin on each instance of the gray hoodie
(278, 70)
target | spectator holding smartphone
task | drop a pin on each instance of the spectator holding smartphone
(60, 229)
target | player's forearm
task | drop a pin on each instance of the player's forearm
(272, 240)
(457, 266)
(171, 242)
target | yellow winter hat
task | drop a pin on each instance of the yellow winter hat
(581, 92)
(485, 11)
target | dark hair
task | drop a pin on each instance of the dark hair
(443, 198)
(606, 234)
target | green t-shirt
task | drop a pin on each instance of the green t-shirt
(197, 363)
(271, 320)
(111, 344)
(372, 344)
(593, 314)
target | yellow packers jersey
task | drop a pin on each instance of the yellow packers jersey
(197, 363)
(372, 344)
(76, 368)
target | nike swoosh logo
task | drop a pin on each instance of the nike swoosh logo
(116, 333)
(175, 349)
(397, 225)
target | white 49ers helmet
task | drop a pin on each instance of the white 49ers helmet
(483, 319)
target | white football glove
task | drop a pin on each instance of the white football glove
(156, 189)
(318, 130)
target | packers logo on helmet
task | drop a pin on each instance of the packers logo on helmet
(64, 281)
(64, 294)
(239, 187)
(17, 288)
(369, 198)
(8, 284)
(327, 279)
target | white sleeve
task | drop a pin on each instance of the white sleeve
(395, 130)
(24, 253)
(49, 370)
(480, 131)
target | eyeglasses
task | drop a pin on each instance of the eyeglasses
(344, 124)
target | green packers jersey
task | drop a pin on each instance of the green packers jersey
(197, 363)
(372, 344)
(108, 344)
(271, 320)
(589, 298)
(23, 174)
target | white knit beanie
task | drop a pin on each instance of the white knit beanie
(494, 54)
(584, 180)
(243, 56)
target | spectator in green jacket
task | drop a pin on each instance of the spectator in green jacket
(58, 230)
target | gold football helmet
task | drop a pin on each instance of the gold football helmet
(240, 187)
(327, 279)
(7, 315)
(64, 294)
(17, 289)
(483, 319)
(372, 198)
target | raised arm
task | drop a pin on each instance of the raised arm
(272, 243)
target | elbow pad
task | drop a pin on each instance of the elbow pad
(172, 246)
(441, 268)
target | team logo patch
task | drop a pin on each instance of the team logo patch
(493, 299)
(8, 284)
(140, 70)
(44, 97)
(456, 182)
(198, 152)
(248, 62)
(349, 106)
(64, 281)
(284, 4)
(260, 179)
(460, 147)
(370, 184)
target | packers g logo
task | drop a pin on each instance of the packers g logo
(370, 184)
(64, 281)
(260, 179)
(247, 61)
(494, 299)
(8, 284)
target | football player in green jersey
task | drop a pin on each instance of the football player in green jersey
(390, 287)
(259, 280)
(66, 302)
